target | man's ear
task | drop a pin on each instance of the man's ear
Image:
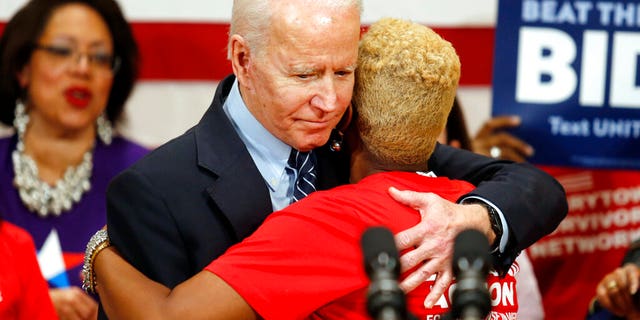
(240, 58)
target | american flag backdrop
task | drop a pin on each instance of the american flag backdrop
(183, 49)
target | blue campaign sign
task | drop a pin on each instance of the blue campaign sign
(570, 69)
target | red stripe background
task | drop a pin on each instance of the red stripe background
(197, 51)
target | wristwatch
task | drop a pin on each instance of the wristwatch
(494, 219)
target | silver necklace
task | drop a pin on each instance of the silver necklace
(37, 195)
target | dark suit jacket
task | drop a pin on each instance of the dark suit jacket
(185, 203)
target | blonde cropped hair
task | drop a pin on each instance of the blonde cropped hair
(406, 81)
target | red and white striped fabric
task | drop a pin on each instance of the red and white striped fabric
(183, 47)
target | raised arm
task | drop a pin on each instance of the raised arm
(493, 140)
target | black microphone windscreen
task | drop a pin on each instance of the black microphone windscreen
(471, 245)
(380, 250)
(471, 264)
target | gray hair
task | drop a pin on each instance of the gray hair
(251, 19)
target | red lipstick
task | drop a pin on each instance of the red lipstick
(78, 97)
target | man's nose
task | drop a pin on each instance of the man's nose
(327, 96)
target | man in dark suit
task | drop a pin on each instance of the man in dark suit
(189, 200)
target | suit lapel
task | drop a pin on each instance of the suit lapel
(238, 189)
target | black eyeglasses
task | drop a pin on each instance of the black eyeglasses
(65, 56)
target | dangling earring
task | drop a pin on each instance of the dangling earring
(21, 119)
(336, 140)
(104, 129)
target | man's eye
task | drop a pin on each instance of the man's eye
(304, 76)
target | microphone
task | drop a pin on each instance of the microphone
(471, 263)
(385, 299)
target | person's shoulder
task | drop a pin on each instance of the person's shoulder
(176, 153)
(126, 144)
(123, 148)
(7, 144)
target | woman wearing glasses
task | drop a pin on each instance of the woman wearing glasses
(67, 68)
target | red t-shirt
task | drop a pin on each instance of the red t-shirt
(23, 292)
(306, 262)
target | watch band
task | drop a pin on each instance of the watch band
(494, 219)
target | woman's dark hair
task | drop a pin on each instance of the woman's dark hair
(457, 127)
(28, 24)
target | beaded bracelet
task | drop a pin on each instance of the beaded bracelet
(98, 241)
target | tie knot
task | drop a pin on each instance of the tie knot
(299, 159)
(305, 165)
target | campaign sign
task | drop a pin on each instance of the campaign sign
(570, 70)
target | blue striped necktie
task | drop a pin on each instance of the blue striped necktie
(305, 164)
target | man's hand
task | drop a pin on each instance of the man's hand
(74, 304)
(433, 238)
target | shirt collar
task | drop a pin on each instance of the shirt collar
(269, 153)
